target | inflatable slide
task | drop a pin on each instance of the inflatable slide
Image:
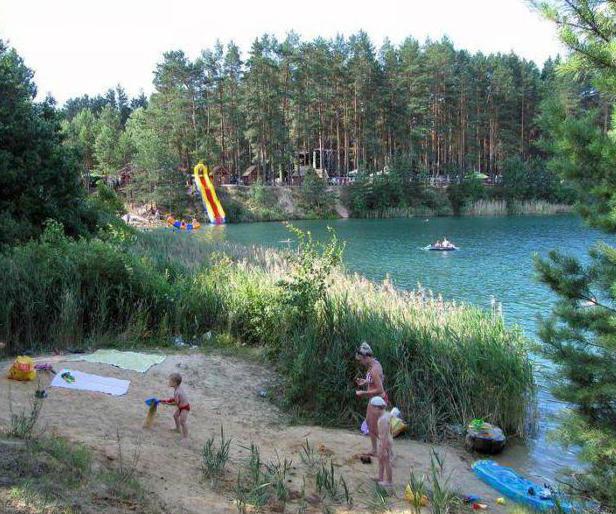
(215, 212)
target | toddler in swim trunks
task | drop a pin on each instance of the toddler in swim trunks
(180, 400)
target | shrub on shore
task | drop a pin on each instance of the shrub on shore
(445, 363)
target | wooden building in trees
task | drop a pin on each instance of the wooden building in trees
(220, 175)
(251, 175)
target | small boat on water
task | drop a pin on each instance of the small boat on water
(435, 248)
(442, 246)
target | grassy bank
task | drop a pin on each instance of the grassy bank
(445, 363)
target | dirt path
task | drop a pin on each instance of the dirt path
(222, 391)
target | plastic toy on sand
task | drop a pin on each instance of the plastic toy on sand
(67, 377)
(152, 403)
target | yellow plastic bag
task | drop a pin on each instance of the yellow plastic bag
(411, 497)
(397, 426)
(22, 369)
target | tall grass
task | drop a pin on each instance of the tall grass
(492, 207)
(445, 363)
(540, 207)
(486, 208)
(483, 207)
(400, 212)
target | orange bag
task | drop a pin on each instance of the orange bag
(22, 369)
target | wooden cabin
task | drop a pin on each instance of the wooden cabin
(251, 175)
(220, 175)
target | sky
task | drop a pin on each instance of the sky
(81, 47)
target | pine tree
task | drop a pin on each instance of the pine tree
(39, 176)
(262, 101)
(236, 125)
(175, 105)
(109, 145)
(155, 179)
(81, 132)
(581, 335)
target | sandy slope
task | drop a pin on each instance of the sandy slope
(222, 390)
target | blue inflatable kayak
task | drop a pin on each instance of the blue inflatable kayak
(508, 482)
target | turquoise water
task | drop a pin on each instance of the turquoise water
(494, 260)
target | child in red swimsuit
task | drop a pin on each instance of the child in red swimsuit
(180, 400)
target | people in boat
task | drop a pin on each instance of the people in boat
(373, 384)
(443, 244)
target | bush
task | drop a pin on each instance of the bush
(394, 194)
(468, 190)
(59, 292)
(234, 209)
(315, 199)
(533, 180)
(258, 203)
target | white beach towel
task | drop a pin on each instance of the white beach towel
(87, 382)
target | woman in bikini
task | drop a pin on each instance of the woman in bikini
(373, 384)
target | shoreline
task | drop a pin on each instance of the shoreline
(150, 223)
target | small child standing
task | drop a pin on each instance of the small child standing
(385, 446)
(180, 400)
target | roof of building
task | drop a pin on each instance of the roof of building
(250, 170)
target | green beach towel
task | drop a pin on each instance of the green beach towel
(126, 360)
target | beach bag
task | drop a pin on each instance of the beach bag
(22, 369)
(397, 426)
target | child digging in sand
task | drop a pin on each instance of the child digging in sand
(180, 400)
(385, 444)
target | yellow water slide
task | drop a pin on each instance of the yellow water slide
(212, 205)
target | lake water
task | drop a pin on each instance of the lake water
(494, 260)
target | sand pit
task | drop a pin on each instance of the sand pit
(223, 391)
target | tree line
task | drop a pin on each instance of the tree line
(434, 108)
